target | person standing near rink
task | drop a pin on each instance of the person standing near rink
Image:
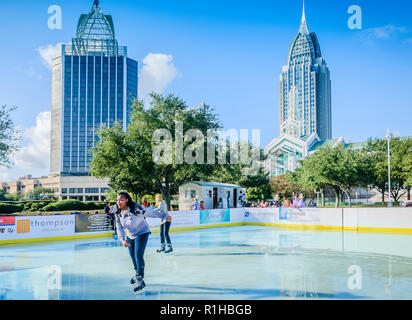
(165, 243)
(298, 203)
(202, 206)
(195, 205)
(130, 220)
(112, 215)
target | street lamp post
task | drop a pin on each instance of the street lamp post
(367, 196)
(388, 137)
(317, 197)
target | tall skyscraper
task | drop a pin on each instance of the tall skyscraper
(93, 84)
(305, 88)
(305, 107)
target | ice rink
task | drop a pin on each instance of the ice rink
(236, 263)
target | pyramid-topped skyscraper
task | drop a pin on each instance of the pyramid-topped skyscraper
(305, 88)
(305, 107)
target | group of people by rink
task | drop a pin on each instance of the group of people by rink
(133, 231)
(298, 202)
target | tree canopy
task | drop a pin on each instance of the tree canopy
(9, 137)
(344, 169)
(167, 144)
(132, 159)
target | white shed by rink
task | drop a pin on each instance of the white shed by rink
(214, 195)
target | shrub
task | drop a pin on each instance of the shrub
(27, 206)
(42, 205)
(65, 205)
(10, 208)
(50, 207)
(93, 205)
(38, 206)
(75, 205)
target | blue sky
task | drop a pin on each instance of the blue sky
(228, 54)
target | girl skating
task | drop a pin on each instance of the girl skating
(130, 219)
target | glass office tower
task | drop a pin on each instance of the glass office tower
(305, 105)
(94, 84)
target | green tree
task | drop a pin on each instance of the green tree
(9, 137)
(18, 196)
(407, 165)
(308, 177)
(37, 191)
(119, 159)
(340, 168)
(111, 195)
(263, 192)
(401, 166)
(257, 186)
(247, 174)
(131, 160)
(2, 195)
(345, 168)
(287, 185)
(401, 153)
(378, 152)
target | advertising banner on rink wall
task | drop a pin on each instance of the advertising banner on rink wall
(264, 215)
(300, 216)
(32, 227)
(311, 216)
(180, 219)
(7, 228)
(93, 223)
(217, 216)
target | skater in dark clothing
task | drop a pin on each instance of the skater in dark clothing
(165, 243)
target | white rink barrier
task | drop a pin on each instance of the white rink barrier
(378, 219)
(61, 227)
(356, 219)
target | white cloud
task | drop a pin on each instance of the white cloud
(49, 52)
(157, 73)
(382, 33)
(37, 153)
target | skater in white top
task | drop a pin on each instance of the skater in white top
(133, 231)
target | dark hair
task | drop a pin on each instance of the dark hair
(130, 203)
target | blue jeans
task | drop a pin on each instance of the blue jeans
(164, 233)
(136, 251)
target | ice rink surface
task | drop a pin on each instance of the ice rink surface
(236, 263)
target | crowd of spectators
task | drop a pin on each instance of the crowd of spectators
(298, 202)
